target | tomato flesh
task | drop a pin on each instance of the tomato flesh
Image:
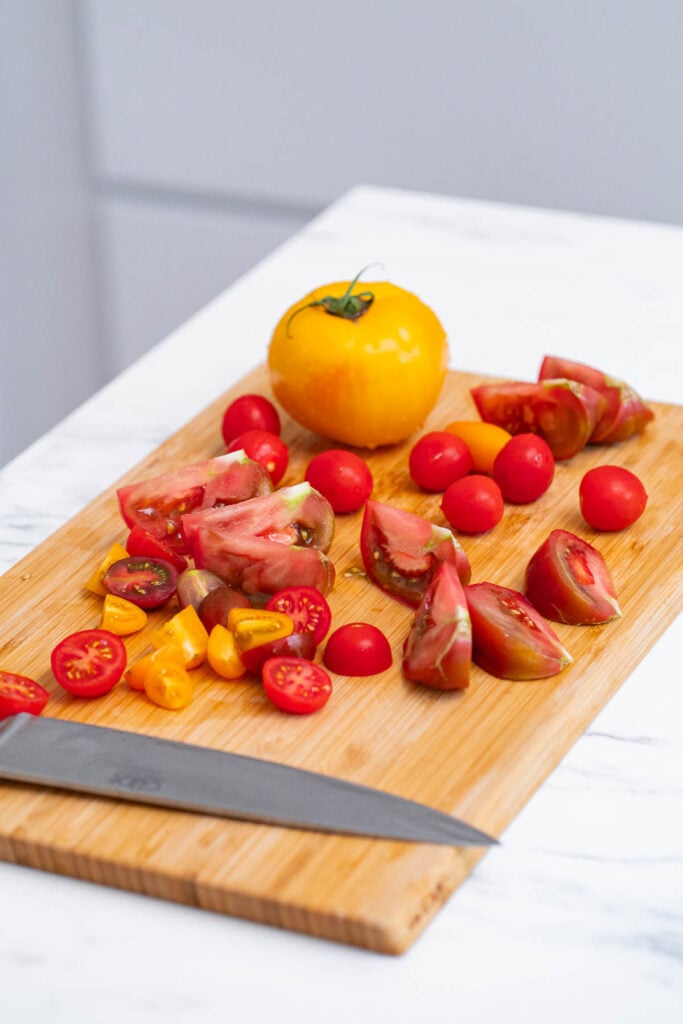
(342, 477)
(438, 649)
(143, 544)
(567, 580)
(147, 582)
(256, 565)
(89, 663)
(307, 608)
(20, 693)
(296, 685)
(357, 649)
(611, 497)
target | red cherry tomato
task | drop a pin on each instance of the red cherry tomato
(147, 582)
(473, 504)
(296, 684)
(438, 459)
(611, 497)
(357, 649)
(249, 412)
(19, 693)
(265, 448)
(89, 663)
(524, 468)
(342, 477)
(307, 608)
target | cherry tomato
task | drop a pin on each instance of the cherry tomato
(484, 441)
(567, 580)
(524, 468)
(473, 504)
(215, 608)
(169, 685)
(611, 498)
(223, 654)
(146, 545)
(254, 626)
(96, 582)
(89, 663)
(342, 477)
(438, 459)
(249, 412)
(121, 616)
(296, 645)
(307, 608)
(296, 684)
(147, 582)
(196, 584)
(19, 693)
(136, 674)
(265, 448)
(186, 630)
(357, 649)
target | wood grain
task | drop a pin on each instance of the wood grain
(479, 754)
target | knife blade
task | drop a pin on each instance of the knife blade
(145, 769)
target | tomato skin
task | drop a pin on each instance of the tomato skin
(146, 582)
(307, 608)
(611, 498)
(265, 448)
(438, 648)
(296, 645)
(249, 412)
(567, 580)
(20, 693)
(342, 477)
(89, 663)
(142, 544)
(296, 685)
(484, 441)
(439, 459)
(524, 468)
(364, 382)
(357, 649)
(473, 504)
(215, 608)
(256, 565)
(169, 685)
(187, 632)
(510, 639)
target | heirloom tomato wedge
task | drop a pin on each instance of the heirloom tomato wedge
(438, 649)
(256, 565)
(567, 580)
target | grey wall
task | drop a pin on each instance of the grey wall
(196, 136)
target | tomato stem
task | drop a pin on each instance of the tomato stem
(349, 306)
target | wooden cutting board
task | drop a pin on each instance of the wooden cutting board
(478, 754)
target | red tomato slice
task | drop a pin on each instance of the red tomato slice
(296, 685)
(358, 649)
(156, 504)
(147, 582)
(510, 639)
(307, 607)
(401, 551)
(19, 693)
(563, 412)
(140, 542)
(89, 663)
(438, 650)
(567, 580)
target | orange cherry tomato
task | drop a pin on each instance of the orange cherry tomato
(484, 441)
(136, 673)
(187, 631)
(122, 617)
(223, 653)
(169, 685)
(252, 627)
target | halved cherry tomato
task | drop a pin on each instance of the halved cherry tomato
(223, 654)
(611, 497)
(296, 685)
(306, 607)
(89, 663)
(524, 468)
(358, 649)
(254, 626)
(121, 616)
(438, 649)
(196, 584)
(96, 581)
(342, 477)
(266, 448)
(146, 545)
(136, 673)
(484, 441)
(510, 639)
(19, 693)
(169, 685)
(473, 504)
(249, 412)
(296, 645)
(186, 630)
(567, 580)
(215, 607)
(438, 459)
(147, 582)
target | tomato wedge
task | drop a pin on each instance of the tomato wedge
(567, 580)
(19, 693)
(296, 685)
(307, 608)
(89, 663)
(142, 543)
(146, 582)
(438, 650)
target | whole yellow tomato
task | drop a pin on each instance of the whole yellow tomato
(362, 365)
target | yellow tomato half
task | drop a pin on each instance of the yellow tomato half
(365, 375)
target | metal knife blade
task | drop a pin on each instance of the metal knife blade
(144, 769)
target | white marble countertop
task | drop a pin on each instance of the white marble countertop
(579, 914)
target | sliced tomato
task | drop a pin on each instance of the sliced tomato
(189, 634)
(20, 693)
(402, 551)
(296, 645)
(567, 580)
(625, 412)
(563, 412)
(96, 582)
(296, 685)
(291, 515)
(510, 639)
(265, 448)
(307, 608)
(438, 649)
(121, 616)
(196, 584)
(147, 582)
(358, 649)
(223, 654)
(89, 663)
(142, 543)
(169, 685)
(256, 565)
(252, 627)
(156, 504)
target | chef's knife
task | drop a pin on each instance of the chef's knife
(128, 766)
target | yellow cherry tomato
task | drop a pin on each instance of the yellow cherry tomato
(136, 673)
(362, 364)
(484, 441)
(252, 627)
(169, 686)
(188, 632)
(122, 617)
(223, 654)
(95, 583)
